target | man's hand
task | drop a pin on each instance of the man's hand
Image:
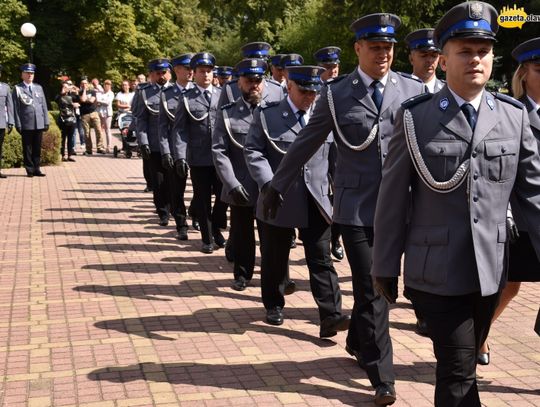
(239, 196)
(167, 162)
(272, 200)
(18, 130)
(145, 152)
(10, 128)
(387, 287)
(512, 230)
(181, 167)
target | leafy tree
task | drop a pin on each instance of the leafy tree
(12, 52)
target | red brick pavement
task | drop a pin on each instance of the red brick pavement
(102, 307)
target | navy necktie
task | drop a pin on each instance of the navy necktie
(470, 114)
(207, 96)
(377, 95)
(301, 119)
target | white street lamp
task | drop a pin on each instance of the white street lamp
(28, 30)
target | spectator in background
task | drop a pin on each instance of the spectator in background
(124, 98)
(66, 119)
(97, 86)
(141, 78)
(90, 117)
(105, 110)
(133, 85)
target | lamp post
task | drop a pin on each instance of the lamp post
(28, 30)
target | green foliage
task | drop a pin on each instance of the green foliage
(12, 150)
(13, 49)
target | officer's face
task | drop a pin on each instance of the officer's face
(184, 74)
(251, 88)
(159, 77)
(374, 57)
(332, 71)
(424, 63)
(301, 98)
(223, 80)
(27, 76)
(532, 80)
(203, 76)
(278, 73)
(468, 64)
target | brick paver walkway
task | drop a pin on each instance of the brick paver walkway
(102, 307)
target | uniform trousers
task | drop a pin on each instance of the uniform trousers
(457, 326)
(147, 174)
(160, 187)
(177, 187)
(243, 231)
(275, 249)
(211, 218)
(2, 136)
(31, 149)
(369, 329)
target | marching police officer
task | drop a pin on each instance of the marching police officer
(454, 159)
(224, 74)
(192, 139)
(328, 58)
(277, 72)
(305, 206)
(31, 118)
(239, 189)
(272, 91)
(359, 109)
(424, 58)
(170, 97)
(147, 114)
(6, 120)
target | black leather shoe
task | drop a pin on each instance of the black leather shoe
(274, 316)
(182, 233)
(483, 358)
(293, 242)
(356, 354)
(195, 224)
(331, 325)
(163, 221)
(239, 284)
(229, 251)
(290, 288)
(38, 174)
(385, 394)
(147, 189)
(421, 327)
(219, 240)
(337, 250)
(29, 174)
(3, 175)
(207, 248)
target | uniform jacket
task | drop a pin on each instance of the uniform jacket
(229, 155)
(272, 92)
(192, 137)
(263, 160)
(357, 173)
(147, 113)
(30, 108)
(454, 242)
(170, 97)
(6, 106)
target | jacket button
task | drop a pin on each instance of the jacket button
(380, 119)
(475, 220)
(384, 155)
(382, 136)
(475, 176)
(503, 150)
(441, 150)
(473, 154)
(475, 199)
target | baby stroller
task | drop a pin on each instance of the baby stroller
(126, 124)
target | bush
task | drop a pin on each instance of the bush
(50, 146)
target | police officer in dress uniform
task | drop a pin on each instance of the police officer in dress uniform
(192, 139)
(147, 114)
(224, 74)
(272, 91)
(239, 189)
(424, 58)
(360, 110)
(454, 159)
(170, 97)
(6, 118)
(328, 58)
(276, 71)
(305, 206)
(31, 118)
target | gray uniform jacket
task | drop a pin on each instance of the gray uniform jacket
(272, 92)
(454, 242)
(193, 127)
(357, 173)
(170, 97)
(147, 113)
(263, 159)
(232, 125)
(30, 108)
(6, 106)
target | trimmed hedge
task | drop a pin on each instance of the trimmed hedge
(50, 146)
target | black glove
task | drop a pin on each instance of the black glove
(10, 128)
(145, 152)
(512, 230)
(18, 130)
(239, 196)
(181, 168)
(46, 128)
(387, 287)
(167, 162)
(272, 200)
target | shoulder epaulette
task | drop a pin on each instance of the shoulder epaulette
(228, 105)
(271, 104)
(143, 85)
(336, 79)
(416, 99)
(409, 76)
(509, 99)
